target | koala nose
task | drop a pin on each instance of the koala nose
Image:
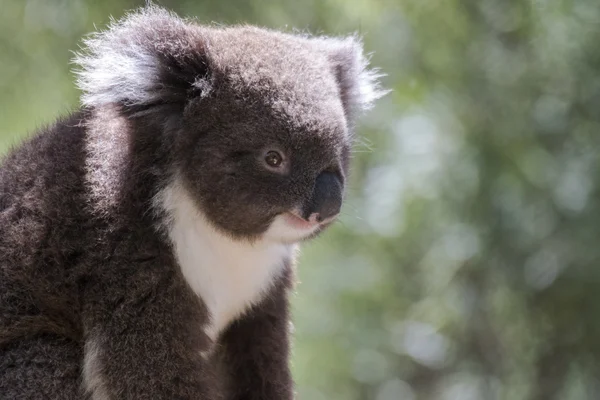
(326, 199)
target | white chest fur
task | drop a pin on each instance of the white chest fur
(228, 275)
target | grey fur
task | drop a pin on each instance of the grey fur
(93, 301)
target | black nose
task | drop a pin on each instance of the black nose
(326, 199)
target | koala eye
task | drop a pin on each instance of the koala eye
(273, 159)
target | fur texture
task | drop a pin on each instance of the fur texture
(147, 241)
(229, 275)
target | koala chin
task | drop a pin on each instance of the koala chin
(147, 240)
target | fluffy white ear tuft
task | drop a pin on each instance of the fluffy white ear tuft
(138, 60)
(359, 84)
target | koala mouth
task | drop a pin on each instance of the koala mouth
(290, 227)
(324, 204)
(294, 219)
(322, 207)
(312, 216)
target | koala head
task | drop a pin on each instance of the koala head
(263, 119)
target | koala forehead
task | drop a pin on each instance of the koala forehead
(288, 74)
(153, 58)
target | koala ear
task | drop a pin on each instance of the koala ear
(359, 85)
(150, 57)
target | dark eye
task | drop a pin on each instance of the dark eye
(273, 159)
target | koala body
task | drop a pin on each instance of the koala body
(147, 241)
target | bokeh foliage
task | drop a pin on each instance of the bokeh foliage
(466, 262)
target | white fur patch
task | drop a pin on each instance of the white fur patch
(228, 275)
(93, 381)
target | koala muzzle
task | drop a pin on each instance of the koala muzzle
(326, 199)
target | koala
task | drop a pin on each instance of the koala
(148, 239)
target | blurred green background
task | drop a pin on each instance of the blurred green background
(466, 262)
